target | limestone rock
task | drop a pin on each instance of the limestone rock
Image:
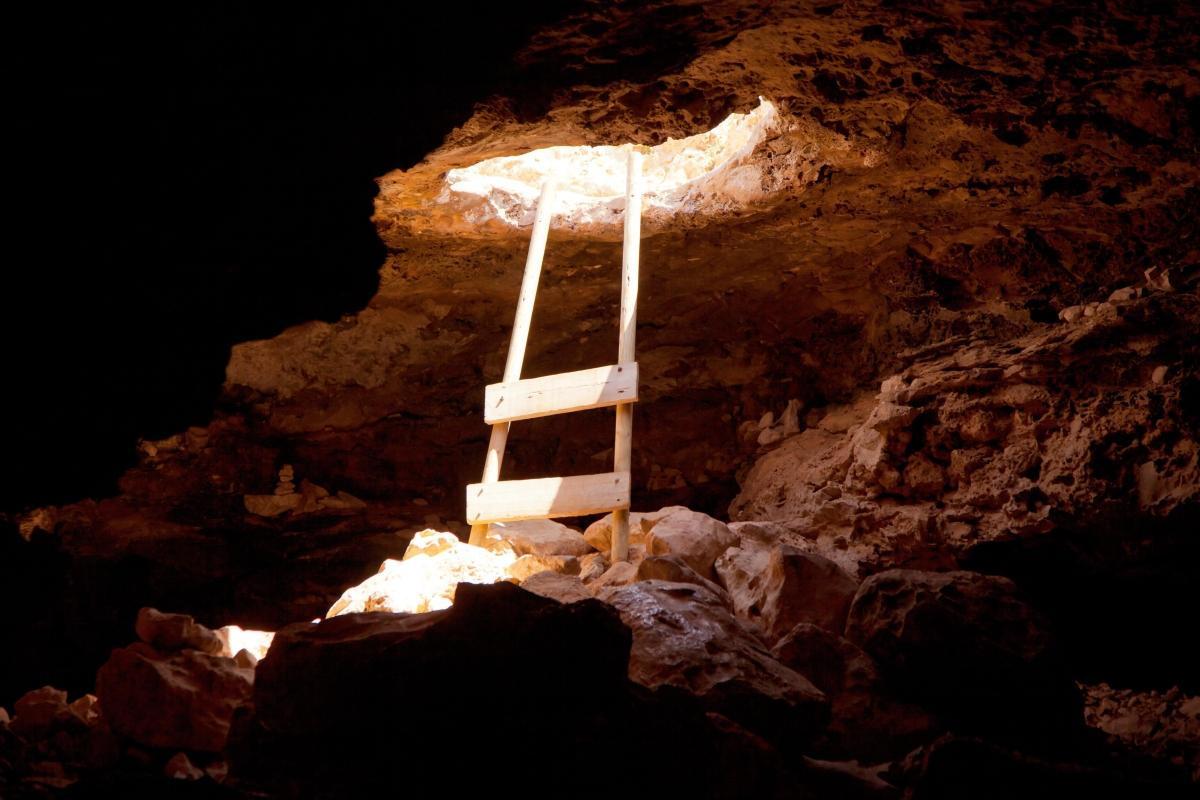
(556, 586)
(696, 538)
(674, 569)
(684, 636)
(599, 533)
(36, 711)
(542, 537)
(742, 571)
(503, 662)
(867, 722)
(435, 563)
(804, 587)
(531, 564)
(592, 566)
(271, 505)
(968, 646)
(180, 767)
(182, 701)
(171, 632)
(429, 543)
(621, 573)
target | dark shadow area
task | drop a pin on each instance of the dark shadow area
(192, 178)
(1121, 600)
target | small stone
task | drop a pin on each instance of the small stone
(1159, 376)
(245, 659)
(622, 573)
(4, 717)
(36, 711)
(1071, 313)
(592, 566)
(1159, 279)
(270, 505)
(429, 543)
(171, 632)
(86, 709)
(286, 472)
(1125, 294)
(769, 436)
(180, 767)
(218, 770)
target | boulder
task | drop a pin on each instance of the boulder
(621, 573)
(556, 586)
(599, 533)
(180, 767)
(684, 636)
(803, 587)
(35, 712)
(696, 538)
(425, 580)
(171, 632)
(541, 537)
(179, 701)
(592, 566)
(531, 564)
(968, 646)
(742, 571)
(342, 706)
(866, 721)
(675, 569)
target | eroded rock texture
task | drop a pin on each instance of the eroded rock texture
(948, 321)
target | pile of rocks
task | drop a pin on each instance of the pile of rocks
(163, 708)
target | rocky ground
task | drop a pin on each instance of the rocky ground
(937, 371)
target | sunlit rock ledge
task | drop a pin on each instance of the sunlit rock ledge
(707, 173)
(490, 188)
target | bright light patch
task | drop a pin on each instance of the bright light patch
(591, 180)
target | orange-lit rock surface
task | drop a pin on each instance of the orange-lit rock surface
(939, 313)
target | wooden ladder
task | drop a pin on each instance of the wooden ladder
(493, 500)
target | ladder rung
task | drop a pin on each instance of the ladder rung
(558, 394)
(506, 501)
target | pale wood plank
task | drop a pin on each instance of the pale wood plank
(623, 447)
(599, 387)
(520, 335)
(540, 498)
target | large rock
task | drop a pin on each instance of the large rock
(866, 722)
(775, 581)
(425, 580)
(969, 646)
(675, 569)
(804, 587)
(599, 533)
(170, 632)
(556, 586)
(684, 636)
(181, 701)
(541, 537)
(696, 538)
(503, 680)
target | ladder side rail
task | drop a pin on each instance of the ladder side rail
(623, 447)
(520, 336)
